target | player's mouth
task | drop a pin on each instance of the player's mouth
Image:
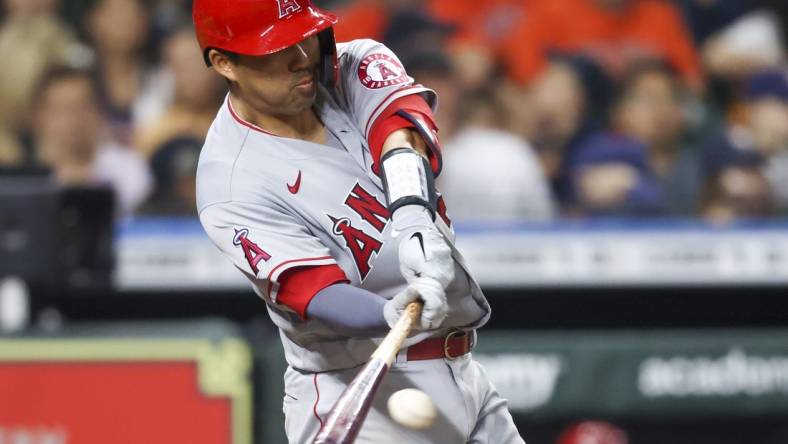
(306, 83)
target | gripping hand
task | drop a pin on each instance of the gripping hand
(428, 290)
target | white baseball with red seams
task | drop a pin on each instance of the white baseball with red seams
(412, 408)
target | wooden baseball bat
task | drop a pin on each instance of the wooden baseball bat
(346, 416)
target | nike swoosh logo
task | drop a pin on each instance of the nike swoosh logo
(418, 236)
(294, 187)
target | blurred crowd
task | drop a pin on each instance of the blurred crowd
(548, 109)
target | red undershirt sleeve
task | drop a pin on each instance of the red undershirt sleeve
(297, 286)
(389, 121)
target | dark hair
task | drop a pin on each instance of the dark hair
(596, 84)
(57, 74)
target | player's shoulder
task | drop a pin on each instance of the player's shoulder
(224, 171)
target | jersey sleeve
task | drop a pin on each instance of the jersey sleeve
(263, 242)
(372, 78)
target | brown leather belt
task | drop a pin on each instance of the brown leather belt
(451, 346)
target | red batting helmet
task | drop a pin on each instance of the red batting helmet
(258, 27)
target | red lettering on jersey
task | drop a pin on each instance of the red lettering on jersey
(368, 207)
(254, 254)
(385, 72)
(442, 211)
(360, 244)
(287, 7)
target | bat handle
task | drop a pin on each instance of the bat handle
(387, 350)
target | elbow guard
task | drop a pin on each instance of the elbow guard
(407, 112)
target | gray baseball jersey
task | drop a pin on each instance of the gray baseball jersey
(272, 203)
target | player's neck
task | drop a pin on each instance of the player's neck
(304, 126)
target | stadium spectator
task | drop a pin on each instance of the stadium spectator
(368, 19)
(174, 167)
(483, 24)
(478, 28)
(706, 17)
(737, 192)
(735, 39)
(411, 32)
(173, 142)
(610, 176)
(168, 16)
(650, 111)
(67, 134)
(128, 90)
(557, 105)
(32, 39)
(481, 29)
(654, 173)
(555, 117)
(614, 32)
(746, 45)
(490, 174)
(754, 141)
(197, 94)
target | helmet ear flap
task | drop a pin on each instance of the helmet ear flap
(329, 66)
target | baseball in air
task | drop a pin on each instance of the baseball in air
(412, 408)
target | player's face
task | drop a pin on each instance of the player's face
(283, 83)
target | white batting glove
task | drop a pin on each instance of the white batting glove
(423, 252)
(428, 290)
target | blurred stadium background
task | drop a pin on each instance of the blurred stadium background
(617, 172)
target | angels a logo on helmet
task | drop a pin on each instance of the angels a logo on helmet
(287, 7)
(381, 70)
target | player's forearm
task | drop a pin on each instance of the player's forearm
(364, 318)
(405, 138)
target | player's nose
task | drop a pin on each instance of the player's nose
(303, 55)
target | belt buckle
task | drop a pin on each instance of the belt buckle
(451, 334)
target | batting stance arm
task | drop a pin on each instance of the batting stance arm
(330, 305)
(409, 183)
(372, 315)
(404, 138)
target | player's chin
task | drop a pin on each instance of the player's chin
(298, 103)
(303, 99)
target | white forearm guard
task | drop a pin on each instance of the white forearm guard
(408, 180)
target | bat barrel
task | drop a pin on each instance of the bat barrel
(348, 413)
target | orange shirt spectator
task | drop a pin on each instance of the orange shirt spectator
(480, 23)
(363, 19)
(483, 23)
(614, 32)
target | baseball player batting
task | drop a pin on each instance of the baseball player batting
(317, 181)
